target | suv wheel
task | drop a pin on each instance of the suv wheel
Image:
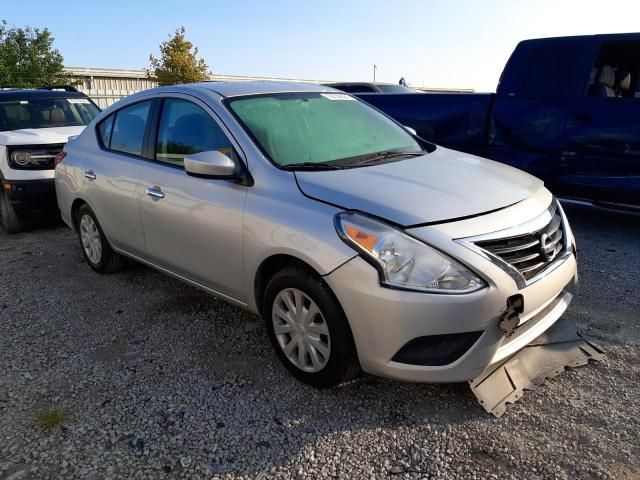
(9, 219)
(308, 329)
(95, 248)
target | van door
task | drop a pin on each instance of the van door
(602, 158)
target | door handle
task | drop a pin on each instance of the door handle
(154, 192)
(580, 117)
(90, 175)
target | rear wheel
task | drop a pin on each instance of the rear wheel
(308, 329)
(11, 222)
(95, 247)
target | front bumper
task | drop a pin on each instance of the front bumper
(384, 320)
(31, 197)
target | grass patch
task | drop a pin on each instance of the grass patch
(49, 418)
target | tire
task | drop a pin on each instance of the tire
(321, 370)
(9, 219)
(97, 251)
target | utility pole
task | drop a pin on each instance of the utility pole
(375, 67)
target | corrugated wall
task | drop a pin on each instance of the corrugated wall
(105, 90)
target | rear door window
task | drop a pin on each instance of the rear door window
(616, 71)
(185, 129)
(128, 128)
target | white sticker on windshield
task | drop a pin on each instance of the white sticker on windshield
(337, 96)
(24, 102)
(77, 100)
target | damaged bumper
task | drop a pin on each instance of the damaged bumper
(559, 347)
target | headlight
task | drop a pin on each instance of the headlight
(401, 260)
(31, 158)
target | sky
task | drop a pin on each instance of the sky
(432, 43)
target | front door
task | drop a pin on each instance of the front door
(192, 226)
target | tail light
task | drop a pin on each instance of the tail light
(58, 158)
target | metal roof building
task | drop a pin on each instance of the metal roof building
(108, 85)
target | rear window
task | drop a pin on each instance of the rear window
(354, 88)
(46, 113)
(395, 89)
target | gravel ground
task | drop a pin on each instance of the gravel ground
(158, 380)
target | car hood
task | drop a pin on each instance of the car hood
(30, 136)
(436, 187)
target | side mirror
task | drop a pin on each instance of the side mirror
(212, 164)
(412, 131)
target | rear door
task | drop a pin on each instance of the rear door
(192, 226)
(602, 158)
(111, 176)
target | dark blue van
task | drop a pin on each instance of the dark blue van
(566, 109)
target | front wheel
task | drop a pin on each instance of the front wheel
(9, 219)
(308, 329)
(95, 247)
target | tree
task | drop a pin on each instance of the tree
(28, 59)
(178, 62)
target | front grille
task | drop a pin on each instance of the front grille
(533, 252)
(40, 156)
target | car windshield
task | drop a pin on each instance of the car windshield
(395, 89)
(319, 128)
(46, 112)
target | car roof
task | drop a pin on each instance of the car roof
(25, 94)
(234, 89)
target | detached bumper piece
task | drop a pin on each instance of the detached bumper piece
(546, 357)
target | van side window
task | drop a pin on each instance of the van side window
(128, 128)
(616, 71)
(184, 129)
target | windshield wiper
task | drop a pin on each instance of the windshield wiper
(375, 157)
(312, 166)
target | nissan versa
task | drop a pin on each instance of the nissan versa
(361, 245)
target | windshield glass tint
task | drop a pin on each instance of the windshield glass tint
(318, 127)
(46, 113)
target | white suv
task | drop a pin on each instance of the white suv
(34, 126)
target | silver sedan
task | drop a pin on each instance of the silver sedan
(361, 245)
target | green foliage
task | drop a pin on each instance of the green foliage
(28, 59)
(49, 418)
(178, 62)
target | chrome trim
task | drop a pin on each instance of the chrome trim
(526, 228)
(515, 249)
(154, 192)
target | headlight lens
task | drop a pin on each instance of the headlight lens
(21, 157)
(402, 261)
(32, 158)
